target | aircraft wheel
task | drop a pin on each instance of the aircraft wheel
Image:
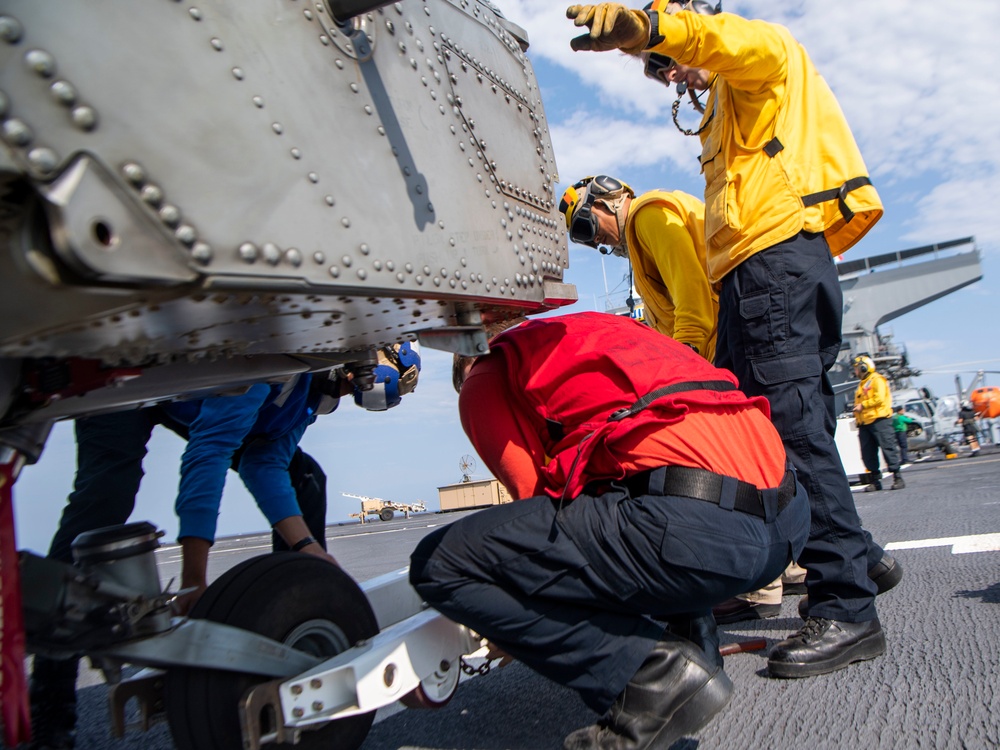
(291, 597)
(437, 689)
(386, 514)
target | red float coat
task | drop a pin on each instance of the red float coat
(536, 409)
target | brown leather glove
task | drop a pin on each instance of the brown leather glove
(612, 26)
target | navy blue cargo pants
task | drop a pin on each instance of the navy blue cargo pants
(575, 593)
(879, 434)
(780, 318)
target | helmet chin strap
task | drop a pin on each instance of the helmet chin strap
(617, 206)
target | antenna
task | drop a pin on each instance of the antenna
(468, 465)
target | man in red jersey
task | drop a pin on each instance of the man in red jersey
(650, 489)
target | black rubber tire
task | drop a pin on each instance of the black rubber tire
(386, 514)
(271, 595)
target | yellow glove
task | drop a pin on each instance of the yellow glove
(612, 26)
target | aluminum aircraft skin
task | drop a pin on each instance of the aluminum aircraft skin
(196, 196)
(199, 196)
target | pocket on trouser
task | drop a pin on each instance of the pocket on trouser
(711, 550)
(792, 385)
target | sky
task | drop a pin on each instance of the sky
(918, 83)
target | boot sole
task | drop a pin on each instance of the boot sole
(699, 709)
(868, 648)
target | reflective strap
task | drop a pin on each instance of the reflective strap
(286, 391)
(839, 193)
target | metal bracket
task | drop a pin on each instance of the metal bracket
(469, 341)
(147, 687)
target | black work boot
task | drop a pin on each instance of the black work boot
(53, 704)
(823, 646)
(897, 481)
(673, 694)
(701, 630)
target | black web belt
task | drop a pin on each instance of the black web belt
(701, 484)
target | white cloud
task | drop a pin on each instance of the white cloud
(916, 80)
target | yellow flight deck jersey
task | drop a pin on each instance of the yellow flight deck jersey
(777, 153)
(874, 397)
(666, 244)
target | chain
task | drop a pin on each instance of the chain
(675, 108)
(471, 671)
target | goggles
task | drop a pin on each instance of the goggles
(577, 205)
(657, 67)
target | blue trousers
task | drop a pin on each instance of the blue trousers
(780, 319)
(110, 450)
(879, 434)
(576, 593)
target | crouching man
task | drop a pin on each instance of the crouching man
(655, 489)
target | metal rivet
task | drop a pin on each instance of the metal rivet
(381, 130)
(43, 160)
(318, 257)
(297, 712)
(202, 253)
(324, 39)
(364, 248)
(334, 271)
(293, 256)
(339, 63)
(41, 62)
(362, 274)
(296, 154)
(17, 132)
(195, 14)
(400, 278)
(313, 177)
(63, 92)
(238, 74)
(186, 234)
(272, 253)
(170, 215)
(345, 221)
(248, 252)
(216, 44)
(346, 261)
(308, 14)
(10, 30)
(368, 109)
(377, 265)
(276, 127)
(329, 200)
(84, 118)
(133, 173)
(354, 87)
(152, 195)
(258, 102)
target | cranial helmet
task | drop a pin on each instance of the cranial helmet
(395, 376)
(577, 206)
(864, 365)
